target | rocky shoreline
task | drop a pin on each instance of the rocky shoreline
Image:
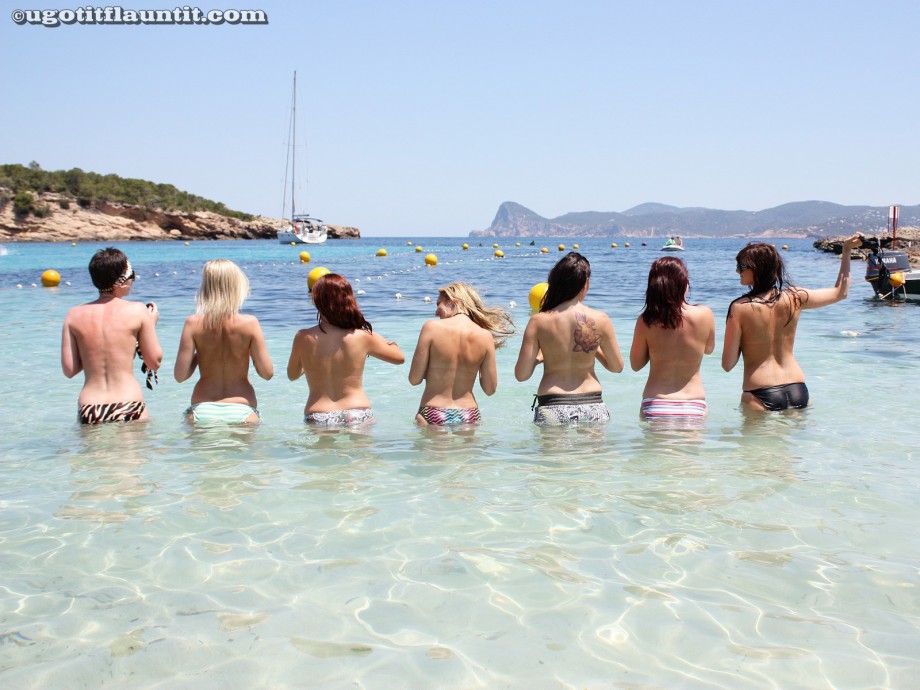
(908, 241)
(66, 220)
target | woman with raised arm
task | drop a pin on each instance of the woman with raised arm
(332, 355)
(220, 342)
(672, 336)
(760, 326)
(452, 350)
(566, 336)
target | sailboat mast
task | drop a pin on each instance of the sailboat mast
(293, 144)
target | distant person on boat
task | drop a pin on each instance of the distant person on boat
(566, 337)
(760, 326)
(220, 342)
(672, 335)
(452, 350)
(100, 339)
(679, 242)
(332, 355)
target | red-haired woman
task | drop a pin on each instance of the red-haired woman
(332, 355)
(673, 336)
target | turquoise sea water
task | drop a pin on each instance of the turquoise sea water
(781, 552)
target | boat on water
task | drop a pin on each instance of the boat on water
(673, 245)
(301, 228)
(888, 268)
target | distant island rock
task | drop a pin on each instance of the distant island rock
(799, 219)
(70, 206)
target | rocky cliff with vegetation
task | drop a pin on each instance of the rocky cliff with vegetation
(798, 219)
(72, 205)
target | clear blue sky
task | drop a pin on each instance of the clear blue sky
(420, 118)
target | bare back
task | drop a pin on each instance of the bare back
(567, 340)
(449, 355)
(333, 360)
(765, 334)
(674, 354)
(99, 339)
(222, 357)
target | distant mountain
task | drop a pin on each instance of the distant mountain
(797, 219)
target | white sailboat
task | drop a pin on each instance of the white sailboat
(302, 228)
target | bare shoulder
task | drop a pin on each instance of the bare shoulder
(699, 312)
(598, 316)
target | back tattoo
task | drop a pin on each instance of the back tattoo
(587, 339)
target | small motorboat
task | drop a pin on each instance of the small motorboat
(889, 273)
(672, 247)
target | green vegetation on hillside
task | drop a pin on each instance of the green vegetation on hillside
(88, 187)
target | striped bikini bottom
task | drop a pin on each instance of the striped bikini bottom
(654, 408)
(103, 413)
(443, 416)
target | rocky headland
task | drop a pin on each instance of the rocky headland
(908, 240)
(64, 218)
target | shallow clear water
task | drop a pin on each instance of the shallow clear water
(779, 552)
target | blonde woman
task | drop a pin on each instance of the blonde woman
(452, 350)
(220, 341)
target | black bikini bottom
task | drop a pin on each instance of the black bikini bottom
(785, 397)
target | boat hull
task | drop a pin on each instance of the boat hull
(294, 238)
(672, 248)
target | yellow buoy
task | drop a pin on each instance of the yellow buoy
(536, 295)
(517, 244)
(574, 246)
(381, 252)
(315, 275)
(431, 260)
(544, 250)
(186, 244)
(785, 246)
(495, 246)
(896, 279)
(499, 253)
(292, 244)
(409, 243)
(418, 248)
(561, 247)
(73, 244)
(51, 278)
(626, 244)
(304, 257)
(613, 245)
(466, 246)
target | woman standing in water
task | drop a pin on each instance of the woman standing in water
(450, 353)
(566, 337)
(760, 326)
(672, 335)
(332, 355)
(220, 341)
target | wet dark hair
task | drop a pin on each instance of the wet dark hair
(770, 278)
(106, 267)
(566, 279)
(336, 304)
(666, 293)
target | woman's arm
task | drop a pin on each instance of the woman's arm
(731, 347)
(295, 361)
(419, 366)
(813, 299)
(613, 358)
(638, 352)
(488, 372)
(527, 357)
(187, 357)
(147, 337)
(71, 362)
(258, 351)
(386, 350)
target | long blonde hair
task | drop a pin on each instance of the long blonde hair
(466, 300)
(224, 288)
